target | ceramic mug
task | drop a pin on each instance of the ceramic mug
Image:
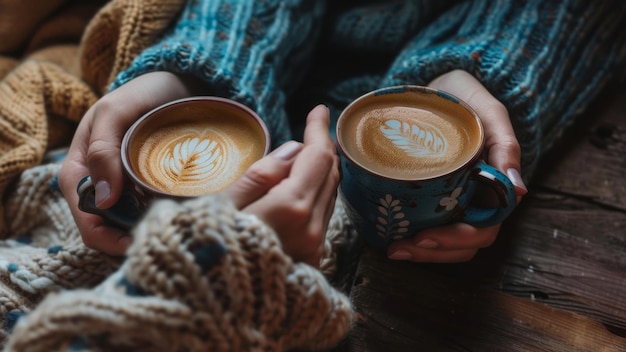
(410, 160)
(185, 148)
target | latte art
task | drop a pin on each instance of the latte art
(195, 157)
(417, 139)
(195, 149)
(408, 139)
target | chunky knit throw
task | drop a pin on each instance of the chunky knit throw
(199, 276)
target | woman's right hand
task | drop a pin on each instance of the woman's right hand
(293, 189)
(95, 151)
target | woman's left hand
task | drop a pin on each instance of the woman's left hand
(460, 242)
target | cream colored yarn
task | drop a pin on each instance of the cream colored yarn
(199, 276)
(45, 252)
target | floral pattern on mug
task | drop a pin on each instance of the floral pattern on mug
(452, 201)
(391, 217)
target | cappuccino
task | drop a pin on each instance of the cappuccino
(409, 137)
(410, 160)
(191, 149)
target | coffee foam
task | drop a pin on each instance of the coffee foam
(409, 139)
(199, 153)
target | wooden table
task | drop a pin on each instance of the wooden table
(555, 280)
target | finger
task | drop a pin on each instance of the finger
(263, 175)
(319, 153)
(94, 231)
(456, 236)
(503, 150)
(74, 168)
(97, 235)
(419, 255)
(103, 152)
(322, 212)
(455, 242)
(313, 163)
(298, 207)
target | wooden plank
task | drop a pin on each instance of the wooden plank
(406, 306)
(566, 244)
(565, 253)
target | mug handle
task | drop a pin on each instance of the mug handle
(124, 214)
(505, 191)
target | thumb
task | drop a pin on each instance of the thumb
(263, 175)
(104, 159)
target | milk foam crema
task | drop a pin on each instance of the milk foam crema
(409, 142)
(196, 157)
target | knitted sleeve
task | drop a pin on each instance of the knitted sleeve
(544, 60)
(199, 276)
(250, 51)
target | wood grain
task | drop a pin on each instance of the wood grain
(410, 307)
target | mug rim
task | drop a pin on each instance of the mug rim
(412, 89)
(124, 150)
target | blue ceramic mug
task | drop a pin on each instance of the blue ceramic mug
(411, 159)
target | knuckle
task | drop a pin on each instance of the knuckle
(299, 212)
(257, 175)
(107, 107)
(101, 150)
(326, 156)
(495, 108)
(89, 242)
(510, 145)
(312, 239)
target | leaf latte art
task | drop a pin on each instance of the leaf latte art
(417, 139)
(407, 142)
(193, 157)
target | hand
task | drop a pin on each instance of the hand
(460, 242)
(293, 189)
(95, 151)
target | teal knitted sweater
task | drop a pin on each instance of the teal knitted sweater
(544, 60)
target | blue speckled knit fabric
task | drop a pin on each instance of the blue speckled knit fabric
(545, 60)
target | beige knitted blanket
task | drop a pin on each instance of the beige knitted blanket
(199, 275)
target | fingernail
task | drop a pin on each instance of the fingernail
(103, 192)
(427, 243)
(288, 150)
(400, 255)
(517, 181)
